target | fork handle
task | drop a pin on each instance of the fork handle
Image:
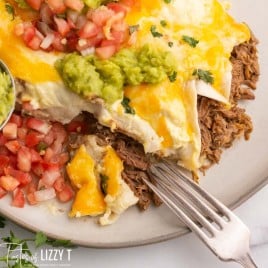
(247, 261)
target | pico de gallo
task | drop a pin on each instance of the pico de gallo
(71, 25)
(33, 155)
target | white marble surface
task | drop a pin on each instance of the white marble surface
(186, 252)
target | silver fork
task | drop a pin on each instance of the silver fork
(217, 226)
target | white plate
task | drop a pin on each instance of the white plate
(243, 170)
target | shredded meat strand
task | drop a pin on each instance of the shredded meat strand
(220, 126)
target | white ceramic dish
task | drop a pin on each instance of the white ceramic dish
(243, 171)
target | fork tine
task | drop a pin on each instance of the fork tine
(178, 212)
(190, 208)
(184, 188)
(212, 200)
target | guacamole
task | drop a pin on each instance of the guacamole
(6, 96)
(90, 76)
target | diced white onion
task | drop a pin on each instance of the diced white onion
(87, 51)
(45, 194)
(47, 41)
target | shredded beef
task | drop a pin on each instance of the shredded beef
(220, 126)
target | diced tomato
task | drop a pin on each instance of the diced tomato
(13, 146)
(16, 119)
(106, 52)
(66, 194)
(34, 4)
(50, 176)
(76, 5)
(100, 15)
(33, 138)
(27, 106)
(89, 30)
(23, 177)
(29, 33)
(10, 131)
(62, 26)
(22, 132)
(4, 162)
(118, 8)
(2, 192)
(35, 43)
(31, 199)
(43, 195)
(38, 125)
(38, 169)
(48, 154)
(31, 187)
(4, 150)
(8, 183)
(59, 184)
(49, 138)
(12, 160)
(35, 156)
(57, 6)
(18, 198)
(3, 139)
(24, 160)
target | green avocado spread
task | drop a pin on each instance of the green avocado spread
(90, 76)
(6, 96)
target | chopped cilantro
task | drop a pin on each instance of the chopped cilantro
(173, 77)
(170, 44)
(163, 23)
(206, 76)
(190, 40)
(154, 32)
(167, 1)
(133, 28)
(10, 10)
(41, 146)
(125, 103)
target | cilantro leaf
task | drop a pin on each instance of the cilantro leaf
(167, 1)
(125, 103)
(154, 32)
(170, 44)
(190, 40)
(133, 28)
(40, 239)
(104, 185)
(163, 23)
(173, 77)
(12, 241)
(10, 10)
(206, 76)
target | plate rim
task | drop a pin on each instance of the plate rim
(161, 238)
